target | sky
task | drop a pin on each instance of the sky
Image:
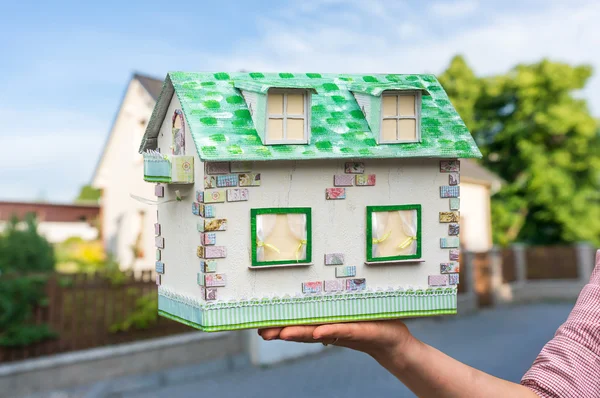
(64, 65)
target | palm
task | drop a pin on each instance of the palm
(374, 338)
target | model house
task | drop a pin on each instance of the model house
(297, 198)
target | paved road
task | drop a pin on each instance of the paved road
(503, 342)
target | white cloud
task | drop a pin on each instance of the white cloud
(320, 41)
(454, 9)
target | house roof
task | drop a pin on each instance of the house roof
(222, 128)
(471, 171)
(152, 85)
(49, 212)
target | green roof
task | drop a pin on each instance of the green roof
(222, 128)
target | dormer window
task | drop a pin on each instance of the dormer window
(287, 116)
(400, 116)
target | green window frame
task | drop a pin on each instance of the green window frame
(369, 237)
(307, 211)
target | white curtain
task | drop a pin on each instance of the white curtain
(297, 224)
(409, 226)
(264, 226)
(379, 225)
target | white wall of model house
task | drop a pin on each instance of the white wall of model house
(338, 225)
(120, 173)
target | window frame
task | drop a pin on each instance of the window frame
(417, 116)
(284, 116)
(307, 211)
(369, 240)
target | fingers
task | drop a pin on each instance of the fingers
(341, 331)
(303, 334)
(270, 333)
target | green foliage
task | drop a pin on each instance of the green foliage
(144, 316)
(541, 139)
(22, 249)
(88, 194)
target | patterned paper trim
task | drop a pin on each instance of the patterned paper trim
(217, 316)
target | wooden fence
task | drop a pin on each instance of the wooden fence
(81, 310)
(551, 262)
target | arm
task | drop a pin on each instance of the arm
(425, 370)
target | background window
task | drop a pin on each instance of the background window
(400, 117)
(287, 120)
(393, 232)
(281, 236)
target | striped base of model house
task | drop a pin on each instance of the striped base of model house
(214, 317)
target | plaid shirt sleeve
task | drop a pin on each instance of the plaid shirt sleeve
(569, 364)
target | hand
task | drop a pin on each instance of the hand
(380, 339)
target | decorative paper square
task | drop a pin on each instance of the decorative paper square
(160, 267)
(446, 243)
(200, 196)
(196, 208)
(229, 180)
(454, 204)
(210, 182)
(312, 287)
(343, 180)
(159, 242)
(157, 255)
(453, 279)
(208, 265)
(334, 259)
(212, 252)
(355, 167)
(438, 280)
(214, 280)
(344, 272)
(448, 166)
(453, 228)
(183, 169)
(448, 191)
(200, 279)
(365, 180)
(158, 278)
(334, 285)
(159, 190)
(237, 194)
(355, 285)
(241, 167)
(218, 224)
(216, 167)
(207, 211)
(335, 193)
(453, 179)
(217, 196)
(449, 268)
(208, 239)
(454, 254)
(157, 229)
(449, 216)
(249, 180)
(210, 293)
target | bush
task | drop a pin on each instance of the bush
(25, 257)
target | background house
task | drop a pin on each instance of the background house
(127, 226)
(126, 223)
(56, 222)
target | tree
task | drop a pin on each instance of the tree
(463, 88)
(537, 136)
(89, 194)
